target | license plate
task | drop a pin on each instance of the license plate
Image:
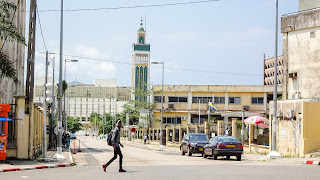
(230, 145)
(200, 149)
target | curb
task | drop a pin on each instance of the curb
(312, 162)
(37, 167)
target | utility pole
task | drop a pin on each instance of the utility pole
(199, 112)
(44, 139)
(59, 148)
(53, 103)
(274, 153)
(31, 57)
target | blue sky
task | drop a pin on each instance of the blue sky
(226, 38)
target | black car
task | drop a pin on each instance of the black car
(193, 143)
(223, 146)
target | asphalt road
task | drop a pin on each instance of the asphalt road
(149, 164)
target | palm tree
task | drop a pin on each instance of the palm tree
(8, 31)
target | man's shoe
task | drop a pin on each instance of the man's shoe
(122, 170)
(104, 168)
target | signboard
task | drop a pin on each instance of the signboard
(3, 147)
(283, 133)
(133, 130)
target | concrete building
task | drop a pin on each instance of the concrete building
(268, 78)
(301, 46)
(184, 104)
(140, 65)
(103, 96)
(308, 4)
(16, 53)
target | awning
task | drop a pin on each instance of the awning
(5, 119)
(255, 120)
(263, 125)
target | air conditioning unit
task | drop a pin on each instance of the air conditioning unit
(289, 113)
(293, 75)
(170, 106)
(246, 108)
(183, 118)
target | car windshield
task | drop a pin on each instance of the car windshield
(198, 137)
(227, 139)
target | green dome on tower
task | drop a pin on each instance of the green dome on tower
(141, 29)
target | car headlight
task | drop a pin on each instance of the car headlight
(193, 144)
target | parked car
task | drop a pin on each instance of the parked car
(193, 143)
(223, 146)
(72, 136)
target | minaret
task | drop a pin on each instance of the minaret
(140, 65)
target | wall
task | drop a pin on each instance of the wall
(311, 126)
(308, 4)
(301, 53)
(16, 52)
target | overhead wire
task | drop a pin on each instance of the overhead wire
(171, 68)
(130, 7)
(44, 43)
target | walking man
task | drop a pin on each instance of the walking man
(116, 148)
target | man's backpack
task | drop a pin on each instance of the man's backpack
(109, 139)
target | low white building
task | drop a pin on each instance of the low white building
(83, 99)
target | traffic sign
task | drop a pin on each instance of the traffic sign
(133, 130)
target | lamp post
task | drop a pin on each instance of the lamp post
(161, 99)
(64, 96)
(274, 153)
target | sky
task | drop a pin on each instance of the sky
(210, 43)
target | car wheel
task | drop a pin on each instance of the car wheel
(189, 153)
(239, 157)
(204, 155)
(182, 152)
(228, 157)
(215, 157)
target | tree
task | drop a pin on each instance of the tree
(8, 31)
(74, 125)
(95, 119)
(108, 124)
(134, 106)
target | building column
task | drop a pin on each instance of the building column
(226, 101)
(149, 137)
(158, 134)
(189, 118)
(250, 136)
(188, 130)
(226, 120)
(167, 135)
(220, 127)
(153, 134)
(196, 128)
(206, 129)
(180, 134)
(173, 134)
(234, 127)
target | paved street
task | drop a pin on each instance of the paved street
(155, 164)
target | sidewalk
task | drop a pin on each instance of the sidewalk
(19, 165)
(245, 157)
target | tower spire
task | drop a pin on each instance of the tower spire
(141, 22)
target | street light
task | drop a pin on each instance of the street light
(64, 97)
(161, 99)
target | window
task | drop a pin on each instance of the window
(219, 100)
(257, 100)
(234, 100)
(203, 100)
(172, 120)
(178, 99)
(157, 99)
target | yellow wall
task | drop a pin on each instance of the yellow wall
(157, 115)
(311, 126)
